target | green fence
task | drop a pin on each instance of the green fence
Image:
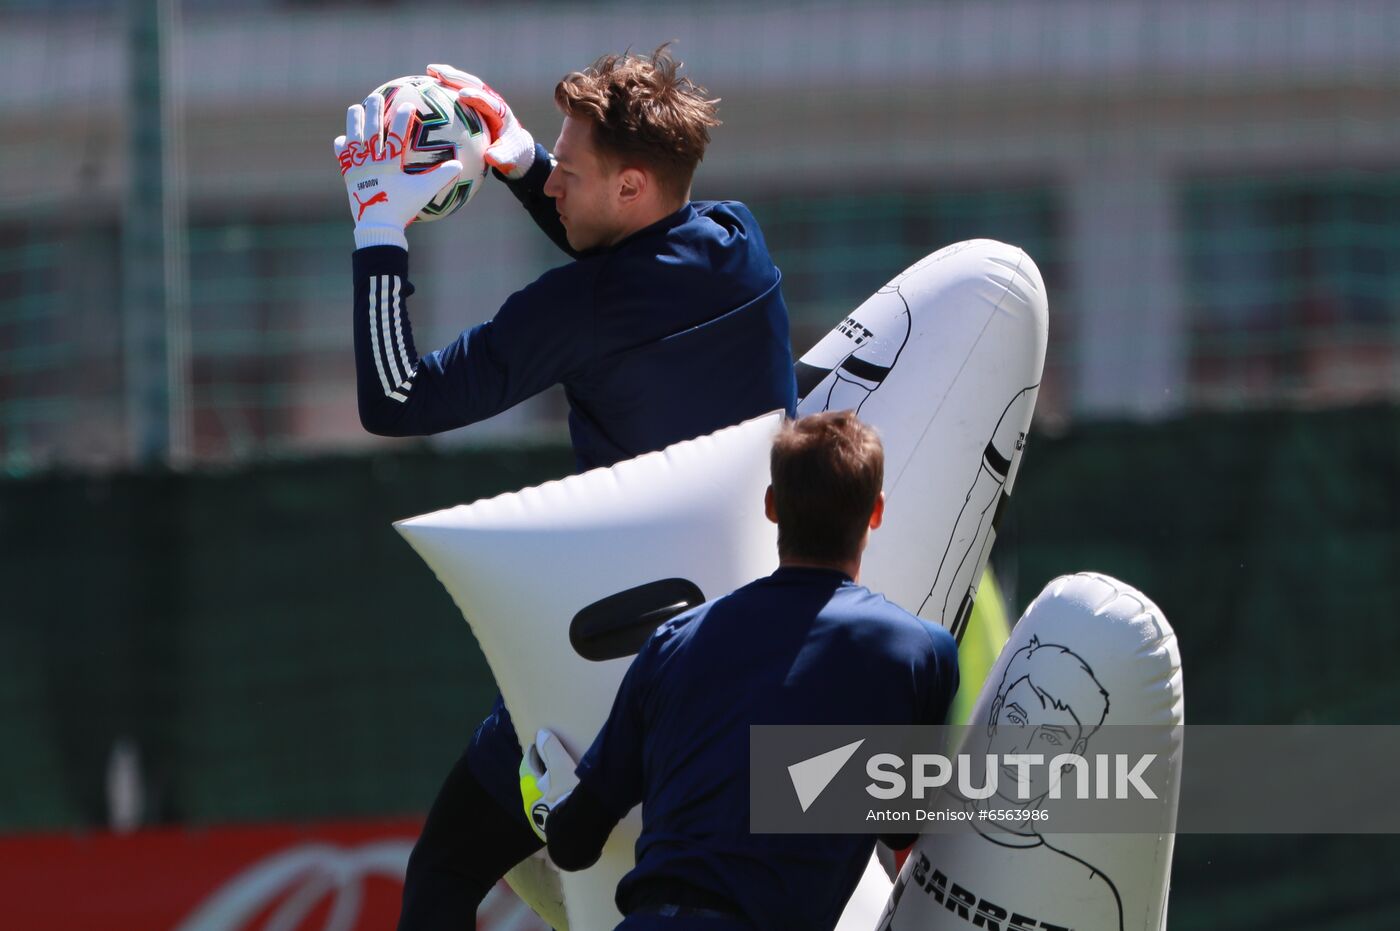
(272, 646)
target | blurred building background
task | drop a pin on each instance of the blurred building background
(194, 525)
(1212, 188)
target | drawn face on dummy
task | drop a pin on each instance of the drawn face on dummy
(1048, 703)
(596, 197)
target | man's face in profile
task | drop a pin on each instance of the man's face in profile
(584, 186)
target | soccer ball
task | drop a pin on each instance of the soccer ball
(440, 130)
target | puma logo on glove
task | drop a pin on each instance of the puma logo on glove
(381, 197)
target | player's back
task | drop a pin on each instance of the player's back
(803, 646)
(689, 334)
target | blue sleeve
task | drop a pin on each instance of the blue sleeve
(943, 675)
(529, 190)
(578, 829)
(612, 767)
(540, 336)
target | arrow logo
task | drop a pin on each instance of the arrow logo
(811, 777)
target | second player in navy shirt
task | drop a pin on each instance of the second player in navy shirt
(805, 645)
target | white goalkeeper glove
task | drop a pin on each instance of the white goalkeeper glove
(546, 779)
(384, 198)
(512, 149)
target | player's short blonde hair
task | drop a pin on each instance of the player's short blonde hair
(643, 114)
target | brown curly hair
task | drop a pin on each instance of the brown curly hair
(643, 113)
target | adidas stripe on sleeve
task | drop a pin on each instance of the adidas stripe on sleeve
(391, 358)
(541, 336)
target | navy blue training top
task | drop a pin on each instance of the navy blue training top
(674, 332)
(802, 646)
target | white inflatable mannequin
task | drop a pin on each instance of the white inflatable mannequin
(1089, 651)
(944, 361)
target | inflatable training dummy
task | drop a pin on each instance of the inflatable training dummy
(562, 583)
(945, 362)
(1089, 651)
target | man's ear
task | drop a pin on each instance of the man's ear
(992, 718)
(769, 508)
(632, 184)
(877, 516)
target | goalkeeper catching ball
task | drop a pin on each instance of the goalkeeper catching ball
(668, 323)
